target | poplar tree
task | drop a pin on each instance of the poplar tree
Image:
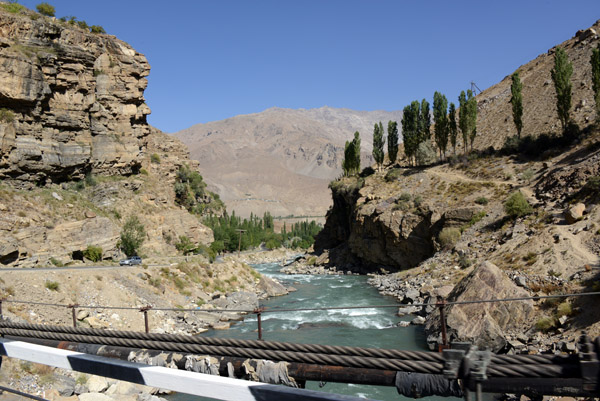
(356, 142)
(595, 60)
(463, 122)
(392, 141)
(452, 128)
(561, 76)
(424, 122)
(440, 118)
(378, 143)
(517, 102)
(351, 162)
(471, 116)
(410, 129)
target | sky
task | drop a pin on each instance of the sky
(213, 60)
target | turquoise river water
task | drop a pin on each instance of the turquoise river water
(360, 327)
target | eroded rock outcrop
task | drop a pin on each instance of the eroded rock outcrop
(365, 230)
(74, 101)
(483, 324)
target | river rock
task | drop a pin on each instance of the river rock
(483, 324)
(419, 320)
(97, 384)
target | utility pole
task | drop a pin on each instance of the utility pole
(240, 242)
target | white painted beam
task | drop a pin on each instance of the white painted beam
(181, 381)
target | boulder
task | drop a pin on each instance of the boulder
(270, 287)
(483, 324)
(574, 213)
(97, 384)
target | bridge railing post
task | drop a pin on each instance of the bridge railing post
(258, 312)
(441, 305)
(73, 313)
(144, 310)
(1, 316)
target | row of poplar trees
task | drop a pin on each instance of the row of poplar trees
(416, 118)
(561, 76)
(416, 128)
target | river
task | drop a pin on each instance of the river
(369, 327)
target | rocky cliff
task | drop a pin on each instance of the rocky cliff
(73, 101)
(77, 157)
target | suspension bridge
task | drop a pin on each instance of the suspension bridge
(212, 366)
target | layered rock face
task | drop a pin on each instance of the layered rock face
(74, 101)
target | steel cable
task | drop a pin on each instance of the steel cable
(228, 342)
(288, 356)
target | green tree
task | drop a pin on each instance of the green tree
(595, 60)
(351, 162)
(517, 102)
(561, 76)
(424, 121)
(46, 9)
(356, 141)
(452, 128)
(378, 143)
(463, 120)
(471, 116)
(132, 236)
(440, 118)
(392, 141)
(410, 129)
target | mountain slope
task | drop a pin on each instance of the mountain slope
(280, 160)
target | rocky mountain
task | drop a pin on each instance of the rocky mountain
(279, 160)
(77, 157)
(510, 223)
(494, 120)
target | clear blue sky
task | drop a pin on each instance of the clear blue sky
(215, 59)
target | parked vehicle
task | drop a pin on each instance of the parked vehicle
(133, 260)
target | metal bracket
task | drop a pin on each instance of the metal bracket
(588, 362)
(453, 359)
(478, 362)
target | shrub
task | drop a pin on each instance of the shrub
(97, 29)
(132, 236)
(56, 262)
(143, 171)
(564, 309)
(155, 158)
(311, 261)
(448, 237)
(393, 175)
(52, 285)
(185, 245)
(217, 246)
(544, 324)
(83, 25)
(516, 205)
(418, 200)
(530, 258)
(93, 253)
(12, 7)
(6, 116)
(90, 180)
(405, 196)
(426, 153)
(482, 200)
(46, 9)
